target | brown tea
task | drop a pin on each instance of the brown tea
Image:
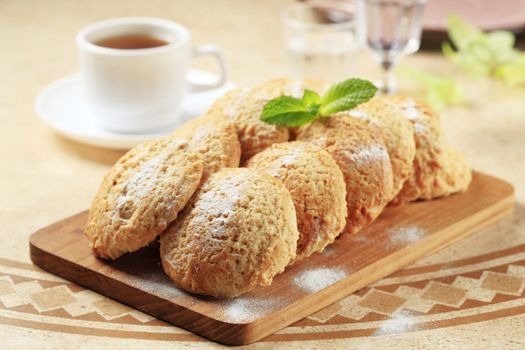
(131, 41)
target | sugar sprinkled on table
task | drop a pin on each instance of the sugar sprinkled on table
(400, 322)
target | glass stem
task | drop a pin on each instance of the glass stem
(388, 79)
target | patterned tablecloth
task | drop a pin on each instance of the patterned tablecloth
(469, 295)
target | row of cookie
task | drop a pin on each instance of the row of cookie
(227, 242)
(390, 149)
(238, 231)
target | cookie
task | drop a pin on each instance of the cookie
(238, 231)
(244, 108)
(439, 170)
(398, 135)
(215, 139)
(317, 187)
(359, 150)
(453, 176)
(141, 195)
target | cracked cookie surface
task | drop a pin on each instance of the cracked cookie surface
(141, 195)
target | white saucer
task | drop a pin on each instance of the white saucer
(61, 105)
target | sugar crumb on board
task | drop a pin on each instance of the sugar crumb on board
(406, 234)
(316, 279)
(329, 251)
(156, 283)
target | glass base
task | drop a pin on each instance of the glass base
(386, 88)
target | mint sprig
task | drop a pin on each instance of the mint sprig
(291, 111)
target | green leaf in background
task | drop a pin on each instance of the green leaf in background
(441, 91)
(512, 73)
(501, 45)
(462, 33)
(346, 95)
(484, 54)
(468, 61)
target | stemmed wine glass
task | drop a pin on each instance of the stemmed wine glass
(391, 29)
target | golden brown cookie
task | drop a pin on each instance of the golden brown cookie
(215, 139)
(398, 135)
(317, 187)
(238, 231)
(453, 176)
(439, 170)
(428, 136)
(141, 195)
(359, 150)
(244, 107)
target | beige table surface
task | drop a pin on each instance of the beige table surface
(450, 302)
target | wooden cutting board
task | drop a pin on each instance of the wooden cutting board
(400, 236)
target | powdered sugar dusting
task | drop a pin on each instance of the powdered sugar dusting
(360, 237)
(291, 157)
(232, 109)
(143, 181)
(156, 282)
(358, 114)
(218, 207)
(368, 154)
(406, 234)
(400, 322)
(278, 167)
(412, 113)
(329, 251)
(314, 280)
(241, 310)
(295, 89)
(363, 115)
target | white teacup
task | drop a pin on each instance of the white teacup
(139, 89)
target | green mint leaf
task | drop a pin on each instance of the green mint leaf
(311, 98)
(291, 111)
(288, 111)
(291, 118)
(346, 95)
(312, 101)
(314, 109)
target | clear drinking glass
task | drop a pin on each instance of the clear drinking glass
(391, 29)
(321, 40)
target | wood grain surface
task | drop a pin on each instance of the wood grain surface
(400, 236)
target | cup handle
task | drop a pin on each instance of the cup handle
(215, 51)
